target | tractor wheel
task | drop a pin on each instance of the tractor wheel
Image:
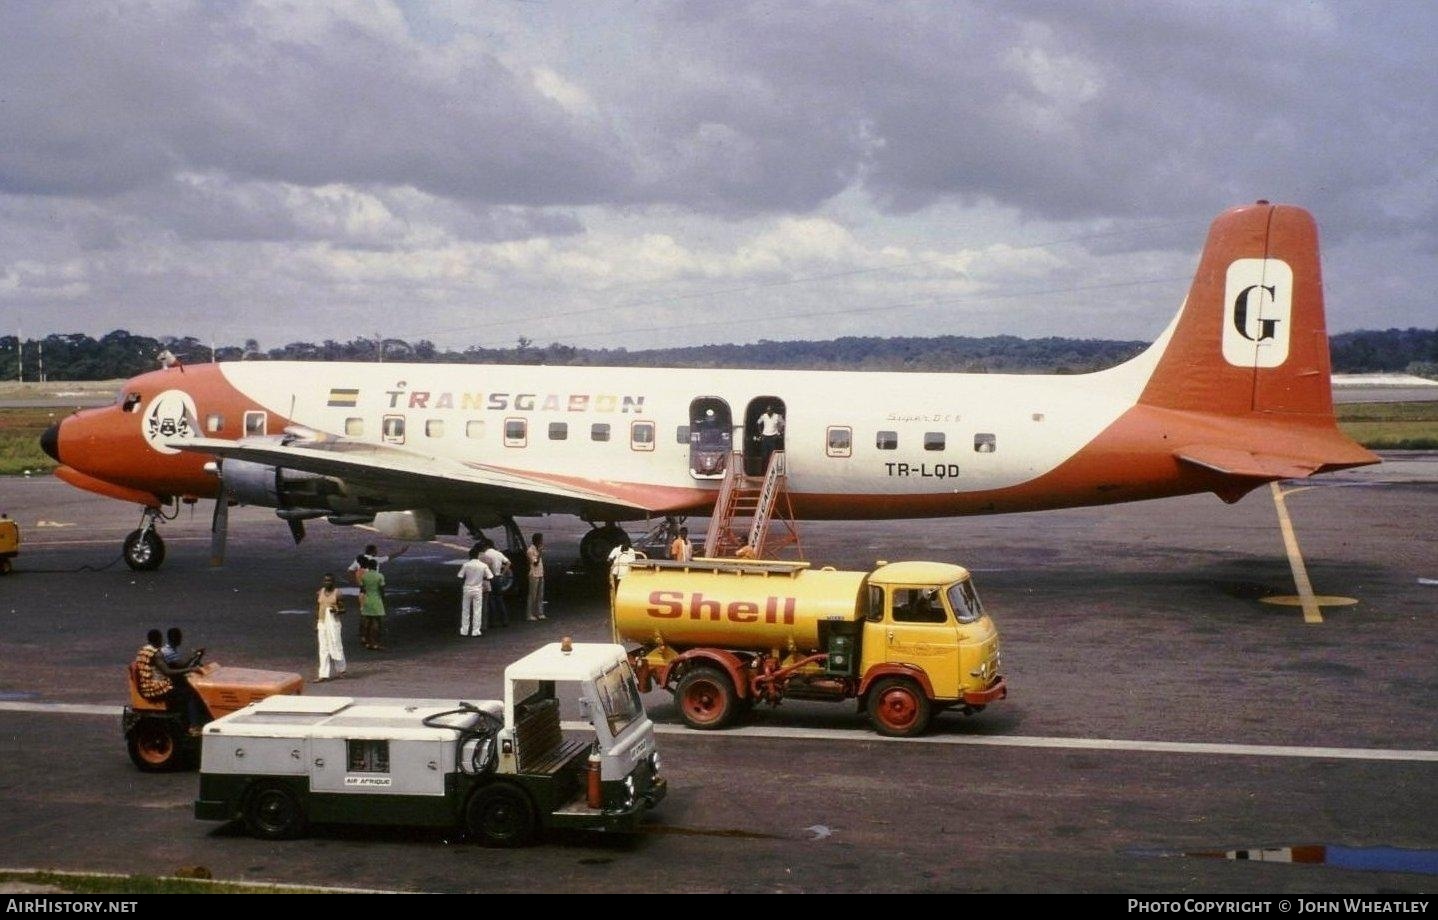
(500, 815)
(155, 745)
(273, 813)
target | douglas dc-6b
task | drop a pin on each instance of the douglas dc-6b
(1235, 393)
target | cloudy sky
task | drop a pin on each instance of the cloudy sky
(638, 174)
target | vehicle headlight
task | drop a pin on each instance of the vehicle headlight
(654, 762)
(629, 787)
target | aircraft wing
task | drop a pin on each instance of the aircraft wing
(439, 481)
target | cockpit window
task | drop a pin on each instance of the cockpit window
(131, 402)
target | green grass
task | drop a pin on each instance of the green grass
(1391, 426)
(20, 439)
(82, 883)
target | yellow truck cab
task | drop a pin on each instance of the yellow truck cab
(905, 640)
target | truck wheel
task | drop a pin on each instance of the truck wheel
(706, 698)
(501, 816)
(899, 708)
(273, 813)
(154, 746)
(144, 553)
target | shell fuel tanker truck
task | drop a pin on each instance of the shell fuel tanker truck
(905, 640)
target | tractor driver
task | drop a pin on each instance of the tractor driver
(159, 681)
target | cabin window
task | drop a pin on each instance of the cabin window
(919, 605)
(354, 427)
(392, 427)
(558, 431)
(434, 428)
(641, 435)
(516, 432)
(599, 431)
(933, 440)
(214, 422)
(887, 440)
(368, 757)
(681, 434)
(875, 613)
(254, 424)
(131, 403)
(474, 429)
(839, 441)
(985, 443)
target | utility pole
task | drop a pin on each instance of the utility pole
(379, 347)
(19, 355)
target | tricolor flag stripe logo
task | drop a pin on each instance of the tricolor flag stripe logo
(343, 399)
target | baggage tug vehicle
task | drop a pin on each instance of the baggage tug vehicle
(502, 770)
(905, 640)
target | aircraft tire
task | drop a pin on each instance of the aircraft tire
(595, 546)
(144, 553)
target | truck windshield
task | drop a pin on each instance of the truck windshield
(619, 697)
(965, 601)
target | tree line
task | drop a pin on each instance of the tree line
(124, 354)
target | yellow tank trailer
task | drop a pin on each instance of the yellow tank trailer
(905, 640)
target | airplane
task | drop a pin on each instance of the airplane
(1235, 393)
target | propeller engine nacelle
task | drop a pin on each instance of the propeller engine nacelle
(267, 486)
(417, 525)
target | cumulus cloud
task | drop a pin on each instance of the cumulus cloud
(603, 170)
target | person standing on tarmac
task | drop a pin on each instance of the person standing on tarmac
(477, 576)
(535, 610)
(681, 550)
(371, 605)
(496, 611)
(329, 607)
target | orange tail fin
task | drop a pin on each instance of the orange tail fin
(1252, 336)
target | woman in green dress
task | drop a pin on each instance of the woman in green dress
(371, 605)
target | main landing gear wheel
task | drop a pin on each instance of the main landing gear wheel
(899, 708)
(595, 546)
(706, 699)
(501, 816)
(144, 550)
(154, 746)
(273, 813)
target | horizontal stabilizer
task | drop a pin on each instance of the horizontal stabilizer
(1234, 461)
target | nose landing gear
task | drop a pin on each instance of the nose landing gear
(144, 550)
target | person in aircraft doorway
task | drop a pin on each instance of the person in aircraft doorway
(771, 433)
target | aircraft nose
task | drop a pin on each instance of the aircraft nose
(50, 441)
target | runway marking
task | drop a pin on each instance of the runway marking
(850, 734)
(1036, 741)
(1311, 613)
(110, 542)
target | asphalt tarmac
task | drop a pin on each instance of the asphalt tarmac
(1159, 712)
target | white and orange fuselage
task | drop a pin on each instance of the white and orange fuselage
(1235, 393)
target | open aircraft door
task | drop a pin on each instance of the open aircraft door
(711, 437)
(764, 423)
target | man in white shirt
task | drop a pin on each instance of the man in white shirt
(471, 610)
(771, 433)
(371, 551)
(496, 612)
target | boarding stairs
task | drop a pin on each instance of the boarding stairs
(749, 507)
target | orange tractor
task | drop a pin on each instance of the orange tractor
(159, 737)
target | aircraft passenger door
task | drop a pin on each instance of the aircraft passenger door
(711, 437)
(919, 630)
(764, 426)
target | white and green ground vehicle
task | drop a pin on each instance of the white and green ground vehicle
(504, 770)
